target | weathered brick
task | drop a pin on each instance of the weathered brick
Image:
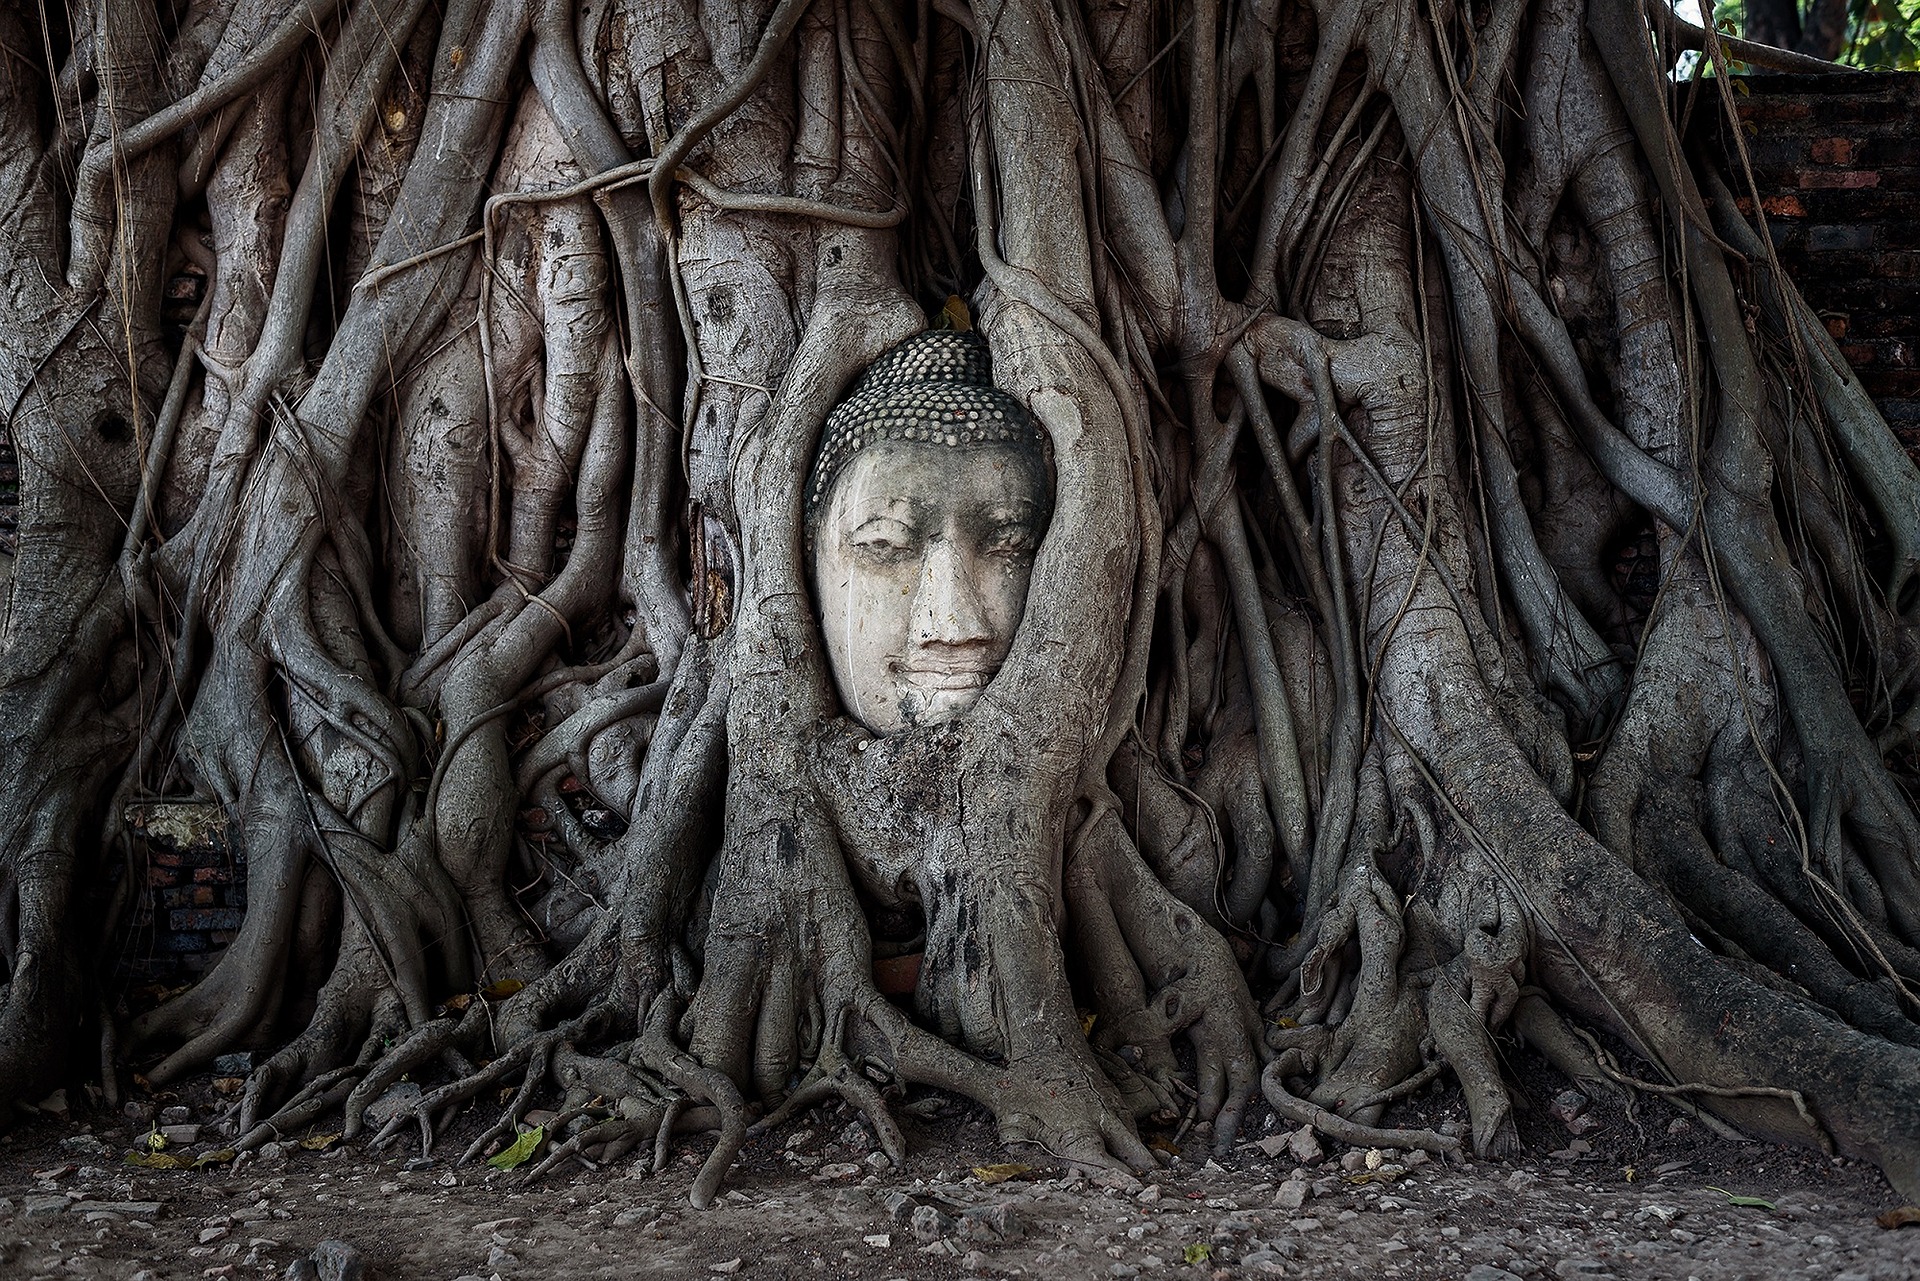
(1819, 240)
(1844, 179)
(1833, 151)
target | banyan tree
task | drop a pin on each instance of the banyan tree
(1246, 549)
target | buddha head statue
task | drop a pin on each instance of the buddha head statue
(930, 494)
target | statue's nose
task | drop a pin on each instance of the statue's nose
(947, 607)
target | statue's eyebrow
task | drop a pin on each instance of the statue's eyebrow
(906, 511)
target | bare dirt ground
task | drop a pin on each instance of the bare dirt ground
(1652, 1195)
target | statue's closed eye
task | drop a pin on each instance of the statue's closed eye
(885, 538)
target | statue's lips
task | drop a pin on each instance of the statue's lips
(945, 676)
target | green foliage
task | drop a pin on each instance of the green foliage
(521, 1151)
(1882, 35)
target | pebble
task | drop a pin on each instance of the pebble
(1304, 1225)
(1487, 1272)
(929, 1224)
(996, 1222)
(1291, 1195)
(838, 1170)
(1304, 1146)
(731, 1265)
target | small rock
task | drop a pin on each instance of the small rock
(180, 1135)
(730, 1266)
(39, 1205)
(1304, 1146)
(85, 1145)
(855, 1136)
(209, 1235)
(879, 1240)
(838, 1170)
(1487, 1272)
(1149, 1194)
(1291, 1195)
(1657, 1214)
(1685, 1237)
(500, 1257)
(1122, 1270)
(1567, 1105)
(131, 1209)
(1304, 1225)
(974, 1261)
(55, 1103)
(1521, 1180)
(992, 1222)
(397, 1100)
(878, 1162)
(1141, 1231)
(1273, 1144)
(338, 1261)
(1679, 1125)
(176, 1115)
(930, 1225)
(1353, 1160)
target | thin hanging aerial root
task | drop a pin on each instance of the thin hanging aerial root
(1301, 1112)
(508, 1123)
(1149, 1094)
(443, 1100)
(1682, 1089)
(424, 1045)
(833, 1075)
(1392, 1093)
(661, 1056)
(309, 1106)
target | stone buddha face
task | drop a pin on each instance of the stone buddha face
(924, 519)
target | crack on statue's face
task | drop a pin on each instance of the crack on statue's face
(921, 559)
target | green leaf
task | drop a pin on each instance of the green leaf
(1198, 1252)
(1750, 1202)
(206, 1159)
(521, 1151)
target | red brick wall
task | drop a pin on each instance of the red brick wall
(1837, 163)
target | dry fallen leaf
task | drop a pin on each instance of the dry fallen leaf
(153, 1160)
(1907, 1216)
(1000, 1173)
(319, 1142)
